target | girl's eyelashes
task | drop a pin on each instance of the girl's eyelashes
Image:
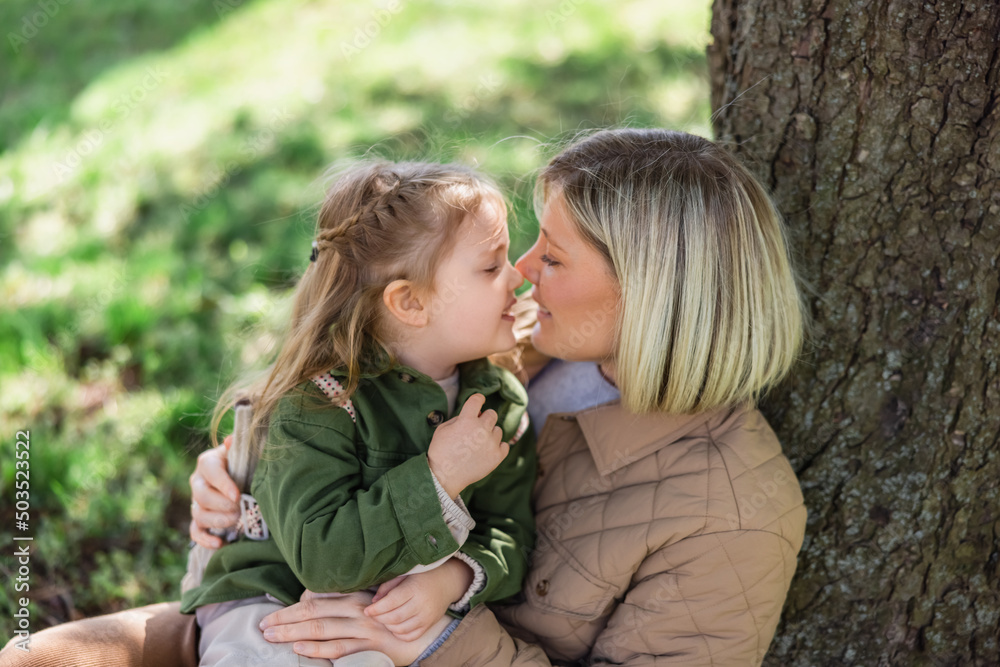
(548, 260)
(500, 260)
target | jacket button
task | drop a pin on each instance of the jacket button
(432, 540)
(407, 378)
(542, 588)
(435, 418)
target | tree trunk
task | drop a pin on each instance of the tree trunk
(877, 127)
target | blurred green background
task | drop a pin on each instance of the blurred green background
(159, 167)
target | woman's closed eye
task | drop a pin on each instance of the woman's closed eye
(548, 260)
(493, 269)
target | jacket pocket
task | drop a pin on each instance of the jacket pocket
(559, 583)
(376, 463)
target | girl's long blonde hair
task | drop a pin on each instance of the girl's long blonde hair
(710, 313)
(379, 222)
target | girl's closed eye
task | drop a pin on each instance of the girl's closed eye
(493, 269)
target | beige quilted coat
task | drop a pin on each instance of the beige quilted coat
(667, 540)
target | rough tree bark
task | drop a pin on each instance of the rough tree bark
(877, 127)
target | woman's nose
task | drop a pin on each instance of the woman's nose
(527, 264)
(515, 277)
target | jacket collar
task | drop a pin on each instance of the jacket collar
(478, 376)
(635, 436)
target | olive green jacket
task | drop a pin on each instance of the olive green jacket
(352, 504)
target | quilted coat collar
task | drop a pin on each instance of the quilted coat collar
(638, 435)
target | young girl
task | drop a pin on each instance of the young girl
(361, 479)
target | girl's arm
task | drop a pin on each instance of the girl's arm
(335, 535)
(500, 542)
(504, 535)
(491, 563)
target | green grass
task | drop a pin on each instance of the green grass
(159, 165)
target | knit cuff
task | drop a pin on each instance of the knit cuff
(478, 582)
(456, 514)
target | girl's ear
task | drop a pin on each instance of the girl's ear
(405, 304)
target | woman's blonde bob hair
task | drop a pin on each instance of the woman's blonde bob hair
(380, 221)
(710, 314)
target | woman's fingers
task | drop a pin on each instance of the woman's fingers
(319, 608)
(331, 627)
(331, 649)
(211, 509)
(215, 498)
(214, 495)
(310, 595)
(212, 513)
(203, 537)
(314, 629)
(212, 469)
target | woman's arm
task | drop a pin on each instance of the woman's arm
(323, 627)
(480, 640)
(334, 625)
(710, 599)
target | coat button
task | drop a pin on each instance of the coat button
(435, 418)
(407, 378)
(542, 588)
(432, 540)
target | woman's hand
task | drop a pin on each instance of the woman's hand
(332, 625)
(215, 500)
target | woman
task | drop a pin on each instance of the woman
(668, 518)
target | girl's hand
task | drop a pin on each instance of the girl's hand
(215, 498)
(411, 604)
(466, 448)
(334, 625)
